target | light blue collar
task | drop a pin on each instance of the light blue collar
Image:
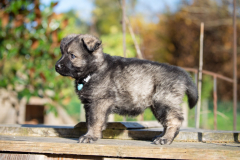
(79, 87)
(85, 80)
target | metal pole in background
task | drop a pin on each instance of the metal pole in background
(234, 68)
(197, 111)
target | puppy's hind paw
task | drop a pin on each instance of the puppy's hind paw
(87, 139)
(162, 141)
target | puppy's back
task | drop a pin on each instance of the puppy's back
(139, 80)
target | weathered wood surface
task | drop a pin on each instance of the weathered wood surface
(120, 141)
(27, 156)
(7, 156)
(120, 148)
(121, 130)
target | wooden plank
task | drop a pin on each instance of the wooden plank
(8, 156)
(185, 134)
(27, 156)
(126, 125)
(70, 157)
(14, 156)
(120, 148)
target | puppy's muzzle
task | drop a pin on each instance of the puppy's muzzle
(58, 67)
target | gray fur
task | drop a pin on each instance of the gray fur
(126, 86)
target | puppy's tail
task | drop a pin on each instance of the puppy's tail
(192, 93)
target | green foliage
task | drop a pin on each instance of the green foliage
(73, 108)
(107, 19)
(224, 116)
(147, 116)
(112, 44)
(29, 49)
(107, 15)
(51, 108)
(75, 24)
(207, 87)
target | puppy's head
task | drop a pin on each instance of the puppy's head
(81, 55)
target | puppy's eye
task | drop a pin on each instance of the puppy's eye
(73, 56)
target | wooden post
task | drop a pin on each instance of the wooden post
(139, 53)
(196, 77)
(196, 108)
(234, 68)
(124, 35)
(197, 113)
(124, 28)
(185, 114)
(215, 101)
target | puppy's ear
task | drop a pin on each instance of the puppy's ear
(66, 40)
(91, 43)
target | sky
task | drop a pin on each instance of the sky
(84, 7)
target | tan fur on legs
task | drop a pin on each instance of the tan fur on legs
(170, 132)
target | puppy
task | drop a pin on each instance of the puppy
(127, 86)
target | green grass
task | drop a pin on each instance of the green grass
(224, 117)
(148, 116)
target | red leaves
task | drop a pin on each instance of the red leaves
(5, 19)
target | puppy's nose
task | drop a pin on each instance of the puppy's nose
(58, 66)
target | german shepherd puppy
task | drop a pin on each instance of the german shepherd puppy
(127, 86)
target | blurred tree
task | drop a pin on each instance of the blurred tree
(175, 39)
(107, 17)
(29, 49)
(75, 24)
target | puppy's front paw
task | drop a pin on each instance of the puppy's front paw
(87, 139)
(162, 140)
